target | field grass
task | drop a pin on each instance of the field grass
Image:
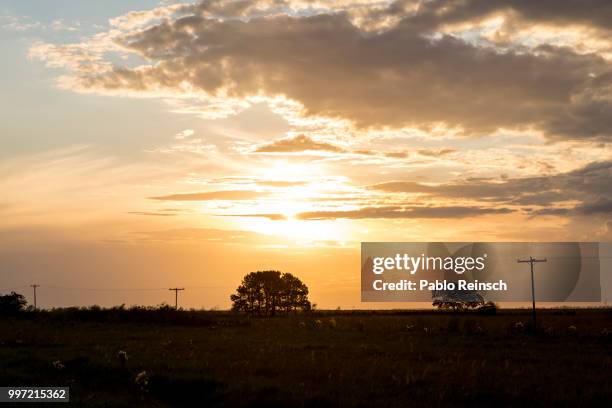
(392, 359)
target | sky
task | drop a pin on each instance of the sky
(147, 145)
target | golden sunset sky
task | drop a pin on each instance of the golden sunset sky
(147, 145)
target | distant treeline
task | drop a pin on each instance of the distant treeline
(14, 304)
(162, 314)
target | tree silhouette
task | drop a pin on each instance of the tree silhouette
(12, 303)
(457, 300)
(268, 292)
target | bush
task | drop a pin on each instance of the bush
(12, 303)
(488, 308)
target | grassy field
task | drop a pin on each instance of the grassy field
(394, 359)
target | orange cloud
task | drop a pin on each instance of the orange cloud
(229, 195)
(300, 143)
(404, 212)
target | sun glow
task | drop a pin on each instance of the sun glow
(294, 188)
(298, 231)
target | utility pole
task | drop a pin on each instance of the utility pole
(34, 286)
(532, 261)
(176, 291)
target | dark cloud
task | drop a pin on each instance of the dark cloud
(551, 211)
(401, 76)
(602, 206)
(589, 185)
(214, 195)
(545, 198)
(403, 212)
(592, 13)
(300, 143)
(431, 14)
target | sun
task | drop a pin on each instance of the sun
(299, 188)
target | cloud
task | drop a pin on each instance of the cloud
(403, 212)
(187, 144)
(152, 214)
(241, 181)
(397, 155)
(229, 195)
(436, 153)
(61, 25)
(25, 23)
(593, 13)
(164, 212)
(589, 186)
(406, 74)
(280, 183)
(272, 217)
(552, 211)
(18, 23)
(300, 143)
(303, 143)
(135, 19)
(184, 134)
(603, 206)
(543, 198)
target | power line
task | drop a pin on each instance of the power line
(104, 289)
(209, 287)
(92, 289)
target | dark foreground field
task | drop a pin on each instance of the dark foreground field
(325, 359)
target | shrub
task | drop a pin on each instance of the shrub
(12, 303)
(489, 308)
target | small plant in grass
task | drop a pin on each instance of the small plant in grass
(142, 380)
(122, 356)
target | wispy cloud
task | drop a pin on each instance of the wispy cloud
(297, 144)
(272, 217)
(436, 153)
(21, 23)
(152, 214)
(394, 212)
(229, 195)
